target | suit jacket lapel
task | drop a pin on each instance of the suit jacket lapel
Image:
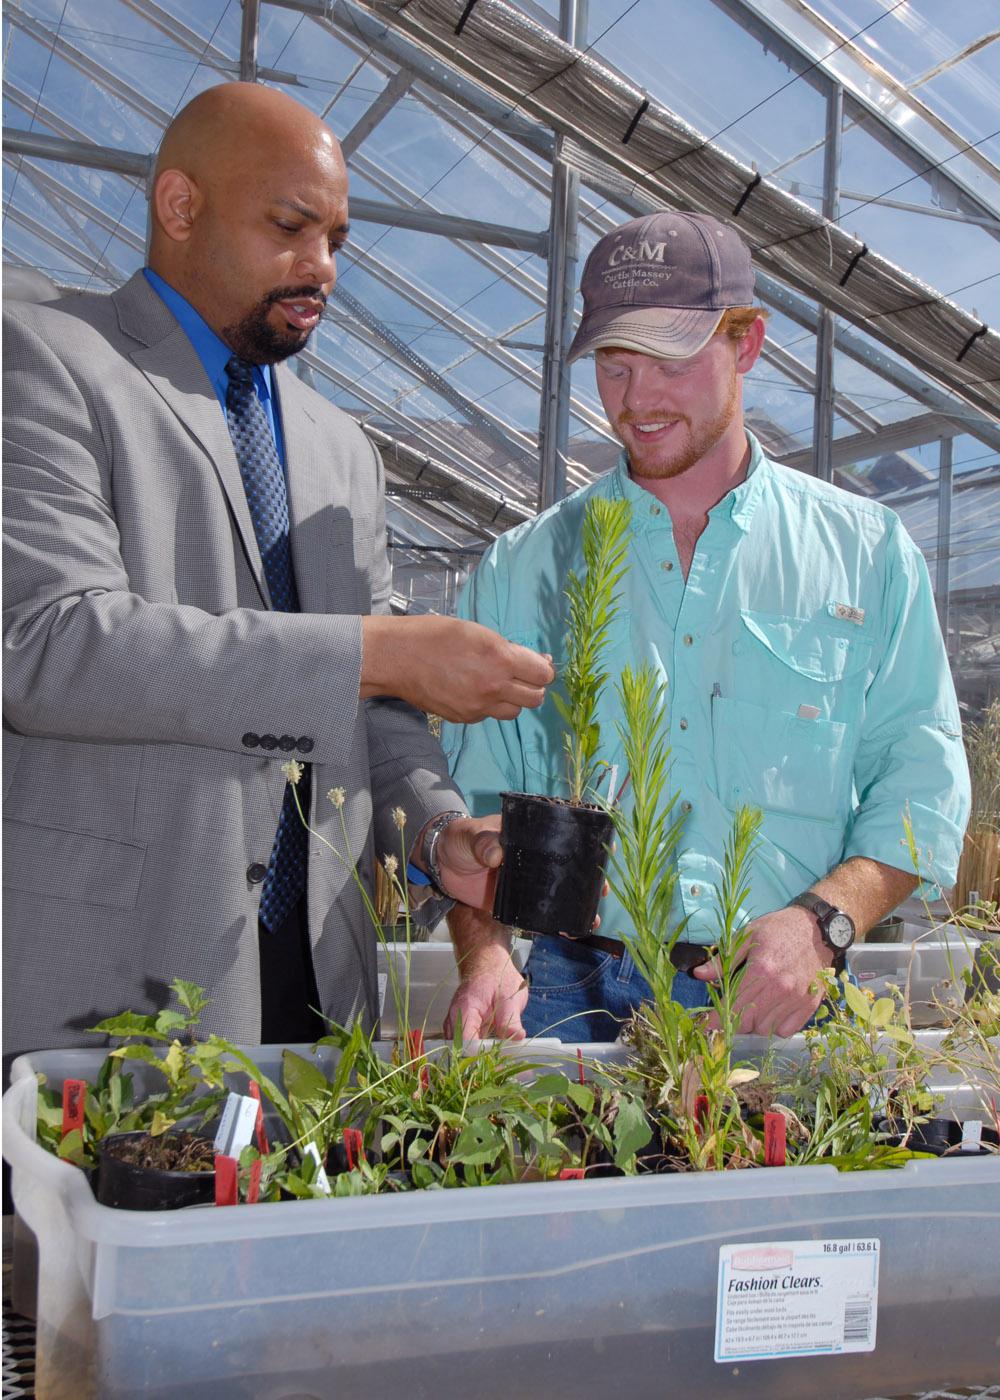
(170, 362)
(310, 489)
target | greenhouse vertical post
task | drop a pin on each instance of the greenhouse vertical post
(826, 328)
(553, 431)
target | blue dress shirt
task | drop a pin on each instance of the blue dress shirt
(215, 354)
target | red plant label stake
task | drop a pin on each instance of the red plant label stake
(701, 1111)
(571, 1174)
(261, 1131)
(253, 1185)
(775, 1129)
(226, 1193)
(415, 1051)
(74, 1099)
(579, 1057)
(354, 1147)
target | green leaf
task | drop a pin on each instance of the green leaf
(857, 1002)
(480, 1143)
(128, 1024)
(303, 1080)
(632, 1131)
(72, 1149)
(190, 996)
(549, 1086)
(582, 1096)
(881, 1013)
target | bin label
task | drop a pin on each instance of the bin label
(796, 1298)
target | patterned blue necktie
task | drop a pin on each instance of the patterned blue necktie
(264, 483)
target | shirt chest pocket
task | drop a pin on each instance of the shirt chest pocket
(812, 654)
(776, 743)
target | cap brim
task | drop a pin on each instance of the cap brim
(668, 333)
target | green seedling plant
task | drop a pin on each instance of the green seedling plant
(677, 1060)
(193, 1073)
(593, 607)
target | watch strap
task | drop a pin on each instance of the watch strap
(823, 910)
(432, 836)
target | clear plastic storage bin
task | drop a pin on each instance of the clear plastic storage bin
(549, 1291)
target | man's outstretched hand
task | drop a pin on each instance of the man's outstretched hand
(449, 667)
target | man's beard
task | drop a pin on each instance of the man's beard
(256, 340)
(699, 442)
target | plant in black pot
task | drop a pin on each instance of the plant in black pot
(150, 1151)
(556, 849)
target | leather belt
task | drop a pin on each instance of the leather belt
(684, 956)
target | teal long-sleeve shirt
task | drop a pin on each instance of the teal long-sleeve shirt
(805, 673)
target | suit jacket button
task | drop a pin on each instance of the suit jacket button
(268, 741)
(250, 741)
(306, 745)
(256, 873)
(286, 743)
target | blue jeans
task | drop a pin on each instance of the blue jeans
(582, 994)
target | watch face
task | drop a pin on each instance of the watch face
(840, 931)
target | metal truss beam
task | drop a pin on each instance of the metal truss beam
(489, 424)
(396, 88)
(892, 437)
(920, 137)
(449, 226)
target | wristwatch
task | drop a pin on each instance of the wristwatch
(835, 927)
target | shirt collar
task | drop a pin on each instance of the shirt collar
(213, 352)
(739, 503)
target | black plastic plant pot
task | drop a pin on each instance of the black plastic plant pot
(133, 1186)
(941, 1136)
(555, 854)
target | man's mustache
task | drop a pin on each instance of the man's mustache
(295, 294)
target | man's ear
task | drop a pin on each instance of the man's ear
(749, 347)
(176, 201)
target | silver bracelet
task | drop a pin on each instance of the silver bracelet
(431, 838)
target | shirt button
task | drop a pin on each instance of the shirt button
(685, 806)
(286, 743)
(667, 565)
(683, 723)
(268, 741)
(696, 889)
(737, 648)
(306, 745)
(654, 510)
(256, 873)
(688, 639)
(250, 741)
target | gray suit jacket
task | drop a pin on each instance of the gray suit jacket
(140, 649)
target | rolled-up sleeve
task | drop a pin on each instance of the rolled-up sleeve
(911, 773)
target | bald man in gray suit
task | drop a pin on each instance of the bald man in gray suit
(154, 694)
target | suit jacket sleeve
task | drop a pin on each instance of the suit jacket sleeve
(86, 657)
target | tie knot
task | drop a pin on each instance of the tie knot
(240, 372)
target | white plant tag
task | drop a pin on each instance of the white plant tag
(383, 982)
(796, 1298)
(237, 1124)
(972, 1135)
(321, 1179)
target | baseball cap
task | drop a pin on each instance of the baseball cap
(660, 285)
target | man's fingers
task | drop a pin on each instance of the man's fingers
(707, 971)
(531, 667)
(487, 849)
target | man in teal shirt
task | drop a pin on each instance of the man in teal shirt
(794, 626)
